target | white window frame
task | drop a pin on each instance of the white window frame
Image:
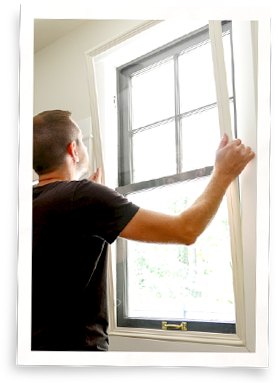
(127, 184)
(101, 68)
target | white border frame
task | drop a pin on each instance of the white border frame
(25, 356)
(233, 202)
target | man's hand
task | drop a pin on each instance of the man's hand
(231, 158)
(97, 176)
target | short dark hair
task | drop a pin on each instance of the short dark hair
(53, 131)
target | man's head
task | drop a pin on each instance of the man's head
(53, 132)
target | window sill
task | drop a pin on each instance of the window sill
(231, 340)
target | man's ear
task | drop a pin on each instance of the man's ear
(72, 151)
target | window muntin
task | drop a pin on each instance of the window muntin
(173, 142)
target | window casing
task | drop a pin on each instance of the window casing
(181, 169)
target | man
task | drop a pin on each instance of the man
(74, 221)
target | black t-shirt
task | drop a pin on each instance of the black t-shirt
(73, 223)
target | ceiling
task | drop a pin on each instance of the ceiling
(46, 31)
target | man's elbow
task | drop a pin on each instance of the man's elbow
(188, 234)
(189, 237)
(191, 241)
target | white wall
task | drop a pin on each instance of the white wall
(60, 78)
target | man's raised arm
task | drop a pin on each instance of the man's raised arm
(148, 226)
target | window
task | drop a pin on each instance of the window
(168, 134)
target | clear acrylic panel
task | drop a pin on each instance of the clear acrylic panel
(154, 153)
(153, 95)
(182, 282)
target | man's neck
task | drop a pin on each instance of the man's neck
(58, 175)
(46, 181)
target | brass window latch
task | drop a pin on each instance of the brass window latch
(182, 326)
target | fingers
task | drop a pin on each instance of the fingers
(97, 176)
(236, 142)
(223, 141)
(247, 151)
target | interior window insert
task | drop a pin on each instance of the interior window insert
(161, 168)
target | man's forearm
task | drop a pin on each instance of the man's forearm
(197, 217)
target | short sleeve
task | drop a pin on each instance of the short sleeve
(101, 211)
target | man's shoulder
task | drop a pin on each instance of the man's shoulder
(64, 186)
(89, 188)
(79, 191)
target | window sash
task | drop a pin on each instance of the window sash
(168, 180)
(123, 320)
(126, 186)
(124, 75)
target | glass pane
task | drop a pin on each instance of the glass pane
(154, 153)
(200, 139)
(182, 282)
(153, 95)
(197, 86)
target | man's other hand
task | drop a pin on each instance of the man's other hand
(97, 176)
